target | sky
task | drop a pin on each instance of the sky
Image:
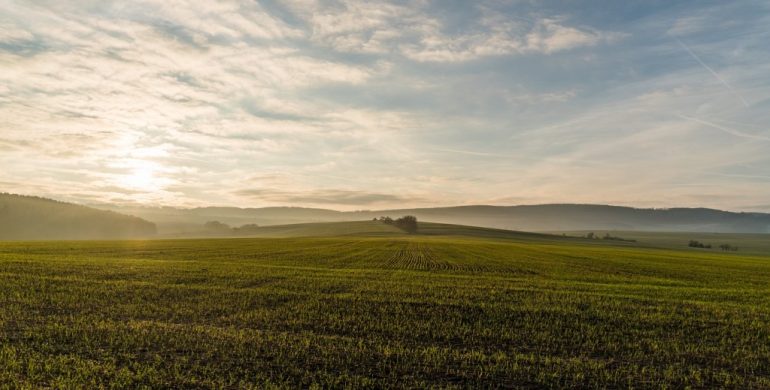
(372, 104)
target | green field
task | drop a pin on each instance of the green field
(757, 244)
(371, 307)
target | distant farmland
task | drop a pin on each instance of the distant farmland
(442, 310)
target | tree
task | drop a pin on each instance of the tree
(247, 229)
(698, 244)
(216, 227)
(407, 223)
(728, 247)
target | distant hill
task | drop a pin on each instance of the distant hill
(33, 218)
(543, 218)
(371, 228)
(566, 217)
(172, 220)
(312, 229)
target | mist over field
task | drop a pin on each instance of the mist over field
(543, 218)
(35, 218)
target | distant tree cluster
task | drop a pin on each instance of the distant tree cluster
(724, 247)
(216, 227)
(246, 229)
(728, 247)
(607, 236)
(698, 244)
(407, 223)
(219, 228)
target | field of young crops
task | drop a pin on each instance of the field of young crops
(392, 311)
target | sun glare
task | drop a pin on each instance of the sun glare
(143, 176)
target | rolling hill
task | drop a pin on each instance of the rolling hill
(748, 243)
(400, 311)
(371, 228)
(565, 217)
(33, 218)
(550, 217)
(25, 217)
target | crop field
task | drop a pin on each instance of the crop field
(756, 244)
(421, 311)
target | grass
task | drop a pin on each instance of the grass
(747, 243)
(389, 311)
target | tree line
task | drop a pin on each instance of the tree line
(407, 223)
(724, 247)
(216, 227)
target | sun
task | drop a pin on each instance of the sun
(143, 176)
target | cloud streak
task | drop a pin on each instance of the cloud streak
(714, 73)
(328, 197)
(728, 130)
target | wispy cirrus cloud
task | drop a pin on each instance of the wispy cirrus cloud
(413, 32)
(328, 197)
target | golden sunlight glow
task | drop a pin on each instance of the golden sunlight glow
(143, 176)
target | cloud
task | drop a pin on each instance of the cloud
(470, 152)
(9, 34)
(414, 31)
(326, 197)
(498, 36)
(713, 73)
(728, 130)
(549, 36)
(351, 103)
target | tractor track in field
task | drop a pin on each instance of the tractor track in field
(420, 256)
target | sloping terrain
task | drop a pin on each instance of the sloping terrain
(322, 229)
(549, 217)
(32, 218)
(565, 217)
(743, 243)
(400, 311)
(377, 228)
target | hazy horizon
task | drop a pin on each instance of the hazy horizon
(347, 210)
(349, 105)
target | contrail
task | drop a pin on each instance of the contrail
(744, 176)
(721, 80)
(727, 130)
